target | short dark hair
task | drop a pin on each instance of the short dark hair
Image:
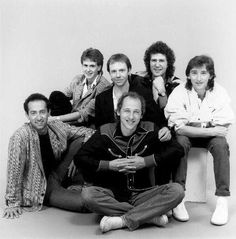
(93, 55)
(133, 95)
(119, 57)
(35, 97)
(162, 48)
(199, 61)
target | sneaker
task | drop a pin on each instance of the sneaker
(180, 213)
(159, 221)
(220, 215)
(111, 223)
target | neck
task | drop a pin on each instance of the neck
(127, 132)
(119, 90)
(43, 131)
(201, 94)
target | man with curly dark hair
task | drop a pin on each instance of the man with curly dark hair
(159, 60)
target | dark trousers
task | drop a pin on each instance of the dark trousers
(171, 152)
(57, 194)
(219, 149)
(139, 208)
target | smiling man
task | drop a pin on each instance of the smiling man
(118, 159)
(38, 161)
(200, 113)
(82, 91)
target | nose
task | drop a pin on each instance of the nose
(39, 116)
(117, 74)
(131, 115)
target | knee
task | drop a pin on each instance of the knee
(89, 195)
(219, 143)
(177, 191)
(184, 142)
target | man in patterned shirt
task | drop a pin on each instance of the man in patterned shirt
(38, 161)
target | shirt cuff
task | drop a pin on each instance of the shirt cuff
(103, 165)
(150, 161)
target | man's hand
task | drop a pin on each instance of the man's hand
(220, 131)
(71, 170)
(159, 85)
(12, 213)
(164, 134)
(118, 164)
(136, 161)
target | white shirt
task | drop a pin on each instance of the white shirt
(185, 107)
(85, 89)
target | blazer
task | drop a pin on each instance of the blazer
(86, 104)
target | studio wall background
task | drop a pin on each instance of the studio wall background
(41, 42)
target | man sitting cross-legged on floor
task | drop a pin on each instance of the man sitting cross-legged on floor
(117, 159)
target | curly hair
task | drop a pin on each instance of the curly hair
(199, 61)
(162, 48)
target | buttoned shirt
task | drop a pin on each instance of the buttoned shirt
(184, 107)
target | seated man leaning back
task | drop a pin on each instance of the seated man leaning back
(118, 159)
(38, 160)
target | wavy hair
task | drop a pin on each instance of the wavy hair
(162, 48)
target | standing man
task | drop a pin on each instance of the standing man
(117, 159)
(37, 163)
(200, 113)
(82, 91)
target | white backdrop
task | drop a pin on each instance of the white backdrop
(41, 42)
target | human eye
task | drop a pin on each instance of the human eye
(193, 72)
(126, 110)
(137, 112)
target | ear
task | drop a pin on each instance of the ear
(99, 68)
(27, 116)
(118, 113)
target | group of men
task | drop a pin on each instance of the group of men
(120, 149)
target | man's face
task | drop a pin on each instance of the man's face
(38, 115)
(90, 69)
(199, 77)
(119, 73)
(130, 115)
(158, 65)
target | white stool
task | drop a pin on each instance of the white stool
(196, 181)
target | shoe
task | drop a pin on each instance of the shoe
(220, 215)
(159, 221)
(111, 223)
(180, 213)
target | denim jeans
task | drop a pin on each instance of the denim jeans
(219, 149)
(139, 208)
(57, 195)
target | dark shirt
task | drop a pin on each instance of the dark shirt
(104, 107)
(48, 158)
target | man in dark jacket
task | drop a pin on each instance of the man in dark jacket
(119, 160)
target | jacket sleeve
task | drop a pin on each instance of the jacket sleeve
(88, 158)
(15, 170)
